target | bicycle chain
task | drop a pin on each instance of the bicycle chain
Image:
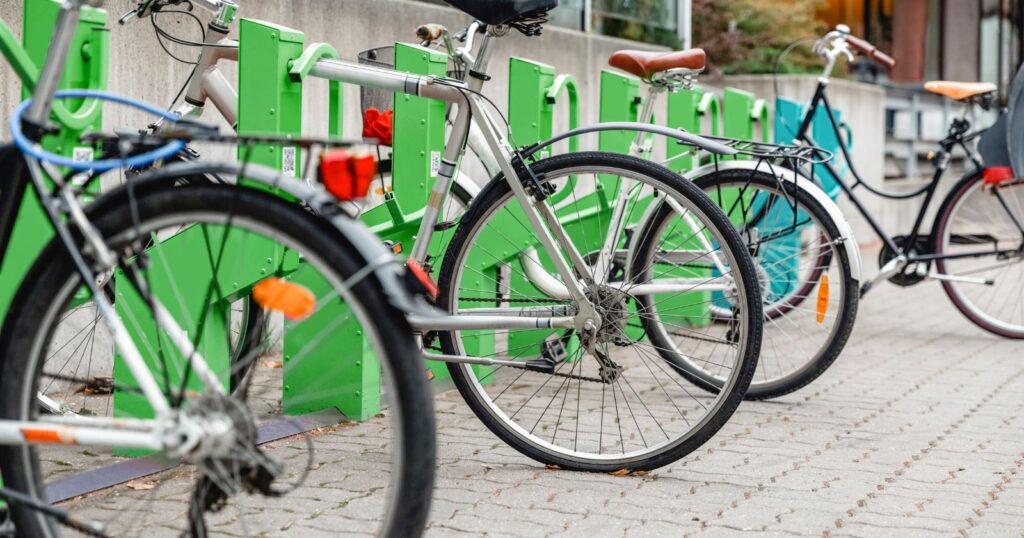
(510, 300)
(555, 374)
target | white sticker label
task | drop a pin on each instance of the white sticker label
(82, 155)
(435, 163)
(288, 162)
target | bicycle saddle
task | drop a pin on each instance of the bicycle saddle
(645, 64)
(502, 11)
(959, 90)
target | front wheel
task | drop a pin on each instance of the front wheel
(198, 248)
(612, 402)
(979, 238)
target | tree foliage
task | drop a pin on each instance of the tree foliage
(747, 36)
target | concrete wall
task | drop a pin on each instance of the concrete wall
(140, 68)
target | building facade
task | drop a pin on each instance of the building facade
(968, 40)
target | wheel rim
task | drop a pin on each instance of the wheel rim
(556, 398)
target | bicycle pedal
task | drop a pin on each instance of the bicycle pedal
(554, 350)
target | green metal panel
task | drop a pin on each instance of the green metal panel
(86, 69)
(269, 101)
(743, 113)
(418, 130)
(339, 371)
(696, 111)
(530, 115)
(181, 269)
(620, 101)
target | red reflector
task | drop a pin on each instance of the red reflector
(422, 277)
(996, 174)
(345, 175)
(377, 125)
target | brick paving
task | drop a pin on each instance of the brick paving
(915, 431)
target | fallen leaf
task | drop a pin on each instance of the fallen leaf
(98, 385)
(269, 363)
(620, 472)
(140, 486)
(553, 467)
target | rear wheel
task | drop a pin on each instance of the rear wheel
(980, 231)
(616, 404)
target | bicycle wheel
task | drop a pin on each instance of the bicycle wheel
(979, 232)
(611, 403)
(798, 254)
(238, 239)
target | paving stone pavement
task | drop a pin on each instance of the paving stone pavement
(917, 430)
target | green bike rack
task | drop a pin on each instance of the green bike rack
(743, 114)
(86, 69)
(696, 111)
(533, 93)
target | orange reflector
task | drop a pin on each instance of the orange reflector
(430, 374)
(34, 435)
(822, 298)
(422, 277)
(292, 300)
(347, 175)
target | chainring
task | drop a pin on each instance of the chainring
(909, 275)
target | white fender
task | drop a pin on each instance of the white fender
(805, 184)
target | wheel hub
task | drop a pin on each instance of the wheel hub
(612, 306)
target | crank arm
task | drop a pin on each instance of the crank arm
(963, 279)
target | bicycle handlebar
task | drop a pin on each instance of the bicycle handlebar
(871, 51)
(147, 7)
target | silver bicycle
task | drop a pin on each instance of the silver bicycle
(546, 286)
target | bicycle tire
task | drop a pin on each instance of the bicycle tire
(783, 367)
(38, 301)
(491, 200)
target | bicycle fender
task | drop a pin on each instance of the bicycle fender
(807, 185)
(682, 136)
(381, 262)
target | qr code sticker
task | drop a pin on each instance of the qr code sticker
(288, 162)
(435, 163)
(82, 155)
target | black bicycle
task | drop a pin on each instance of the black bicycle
(976, 244)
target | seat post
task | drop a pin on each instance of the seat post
(645, 116)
